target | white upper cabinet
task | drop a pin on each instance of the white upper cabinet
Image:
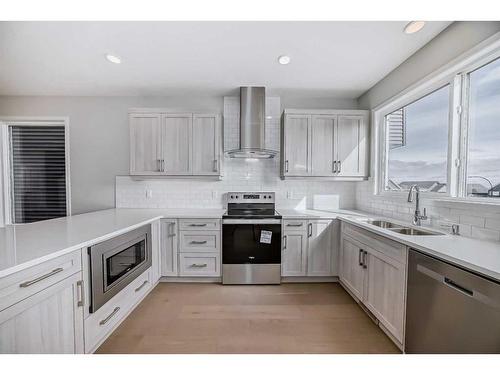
(325, 143)
(352, 146)
(176, 139)
(175, 144)
(323, 132)
(145, 144)
(297, 152)
(206, 144)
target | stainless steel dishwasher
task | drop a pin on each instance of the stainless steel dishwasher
(450, 310)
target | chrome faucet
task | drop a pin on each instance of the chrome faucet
(417, 217)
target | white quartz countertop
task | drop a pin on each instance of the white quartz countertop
(480, 256)
(22, 246)
(25, 245)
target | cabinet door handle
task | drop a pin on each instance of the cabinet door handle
(198, 242)
(215, 165)
(294, 225)
(105, 320)
(286, 166)
(163, 165)
(198, 225)
(81, 293)
(172, 231)
(364, 260)
(339, 166)
(197, 265)
(310, 230)
(158, 165)
(334, 166)
(141, 286)
(284, 242)
(43, 277)
(360, 257)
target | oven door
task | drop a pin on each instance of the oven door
(117, 262)
(247, 241)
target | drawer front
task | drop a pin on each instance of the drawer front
(386, 246)
(195, 264)
(295, 225)
(199, 224)
(99, 324)
(25, 283)
(198, 241)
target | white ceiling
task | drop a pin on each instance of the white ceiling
(329, 59)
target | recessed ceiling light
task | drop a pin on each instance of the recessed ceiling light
(284, 59)
(414, 26)
(114, 59)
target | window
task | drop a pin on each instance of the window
(483, 157)
(37, 181)
(443, 134)
(417, 144)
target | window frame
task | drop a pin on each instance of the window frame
(457, 75)
(6, 203)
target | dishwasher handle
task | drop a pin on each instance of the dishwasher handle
(454, 285)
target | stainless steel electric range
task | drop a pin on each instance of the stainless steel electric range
(251, 239)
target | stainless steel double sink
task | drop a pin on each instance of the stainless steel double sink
(398, 228)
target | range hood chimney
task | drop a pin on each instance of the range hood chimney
(252, 125)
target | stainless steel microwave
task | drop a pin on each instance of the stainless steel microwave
(115, 263)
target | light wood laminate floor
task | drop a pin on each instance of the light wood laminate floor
(213, 318)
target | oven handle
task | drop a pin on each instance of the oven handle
(251, 221)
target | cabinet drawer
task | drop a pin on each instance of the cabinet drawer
(195, 264)
(386, 246)
(294, 225)
(199, 241)
(99, 324)
(199, 224)
(25, 283)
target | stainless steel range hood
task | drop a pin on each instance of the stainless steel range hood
(252, 125)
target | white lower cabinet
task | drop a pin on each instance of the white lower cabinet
(169, 249)
(49, 321)
(191, 247)
(308, 248)
(100, 324)
(376, 276)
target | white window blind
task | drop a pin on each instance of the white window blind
(38, 172)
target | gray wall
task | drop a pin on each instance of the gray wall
(99, 138)
(449, 44)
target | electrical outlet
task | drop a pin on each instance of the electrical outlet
(149, 193)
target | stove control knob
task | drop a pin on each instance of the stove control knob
(232, 196)
(236, 197)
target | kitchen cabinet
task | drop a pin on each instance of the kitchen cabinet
(173, 144)
(145, 144)
(206, 145)
(177, 134)
(296, 156)
(308, 248)
(373, 269)
(352, 141)
(169, 250)
(325, 144)
(50, 321)
(294, 254)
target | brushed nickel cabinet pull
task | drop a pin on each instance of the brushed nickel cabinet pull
(310, 227)
(294, 225)
(340, 166)
(364, 259)
(215, 165)
(284, 242)
(198, 242)
(360, 257)
(334, 166)
(198, 225)
(286, 166)
(172, 232)
(197, 265)
(141, 286)
(81, 293)
(104, 321)
(43, 277)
